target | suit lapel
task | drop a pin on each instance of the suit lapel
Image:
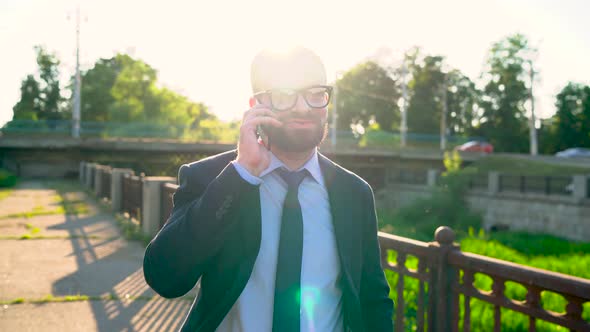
(345, 218)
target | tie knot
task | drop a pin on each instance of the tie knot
(293, 179)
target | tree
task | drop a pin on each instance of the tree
(28, 107)
(41, 97)
(571, 122)
(503, 120)
(463, 103)
(50, 92)
(430, 80)
(367, 94)
(425, 106)
(96, 89)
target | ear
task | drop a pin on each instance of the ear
(252, 102)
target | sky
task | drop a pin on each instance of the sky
(203, 49)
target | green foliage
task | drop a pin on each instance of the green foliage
(41, 97)
(425, 107)
(131, 229)
(452, 161)
(431, 83)
(366, 93)
(28, 107)
(503, 121)
(570, 126)
(7, 178)
(446, 206)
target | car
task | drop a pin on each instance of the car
(476, 146)
(574, 153)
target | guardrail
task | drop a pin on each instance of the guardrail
(500, 183)
(548, 185)
(444, 273)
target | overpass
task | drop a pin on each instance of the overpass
(60, 157)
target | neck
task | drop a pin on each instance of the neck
(293, 160)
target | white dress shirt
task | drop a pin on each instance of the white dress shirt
(321, 296)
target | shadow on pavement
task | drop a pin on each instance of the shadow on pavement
(112, 267)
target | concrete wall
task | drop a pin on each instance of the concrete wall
(559, 216)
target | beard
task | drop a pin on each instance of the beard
(297, 140)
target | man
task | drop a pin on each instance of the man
(282, 238)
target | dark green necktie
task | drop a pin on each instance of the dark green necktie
(288, 277)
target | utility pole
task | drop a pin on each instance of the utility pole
(78, 83)
(334, 131)
(532, 127)
(334, 115)
(404, 125)
(443, 117)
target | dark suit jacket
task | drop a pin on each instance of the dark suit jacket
(214, 234)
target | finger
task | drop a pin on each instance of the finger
(255, 107)
(259, 112)
(261, 120)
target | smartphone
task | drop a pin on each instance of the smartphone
(260, 135)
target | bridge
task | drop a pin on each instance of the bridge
(61, 157)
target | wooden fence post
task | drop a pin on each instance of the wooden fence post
(117, 187)
(444, 302)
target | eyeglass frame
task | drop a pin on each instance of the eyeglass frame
(328, 88)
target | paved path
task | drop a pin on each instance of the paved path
(77, 255)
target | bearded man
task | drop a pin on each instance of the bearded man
(281, 238)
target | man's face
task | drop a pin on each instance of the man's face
(304, 126)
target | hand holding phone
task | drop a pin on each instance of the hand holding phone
(253, 154)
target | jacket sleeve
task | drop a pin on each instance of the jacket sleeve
(203, 212)
(376, 306)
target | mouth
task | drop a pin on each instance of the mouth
(300, 123)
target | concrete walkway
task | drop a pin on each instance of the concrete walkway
(80, 257)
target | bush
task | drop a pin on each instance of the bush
(446, 206)
(7, 179)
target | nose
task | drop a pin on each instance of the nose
(301, 105)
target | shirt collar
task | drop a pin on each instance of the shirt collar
(312, 165)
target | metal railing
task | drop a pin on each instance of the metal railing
(547, 185)
(440, 288)
(479, 182)
(132, 196)
(105, 184)
(408, 176)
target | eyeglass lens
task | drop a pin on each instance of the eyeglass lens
(316, 97)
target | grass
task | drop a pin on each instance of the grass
(5, 192)
(131, 229)
(537, 250)
(66, 206)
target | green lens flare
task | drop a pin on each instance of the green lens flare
(309, 297)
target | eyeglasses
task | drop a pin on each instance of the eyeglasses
(316, 96)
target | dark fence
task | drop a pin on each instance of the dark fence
(409, 176)
(132, 196)
(547, 185)
(479, 181)
(444, 298)
(105, 184)
(92, 178)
